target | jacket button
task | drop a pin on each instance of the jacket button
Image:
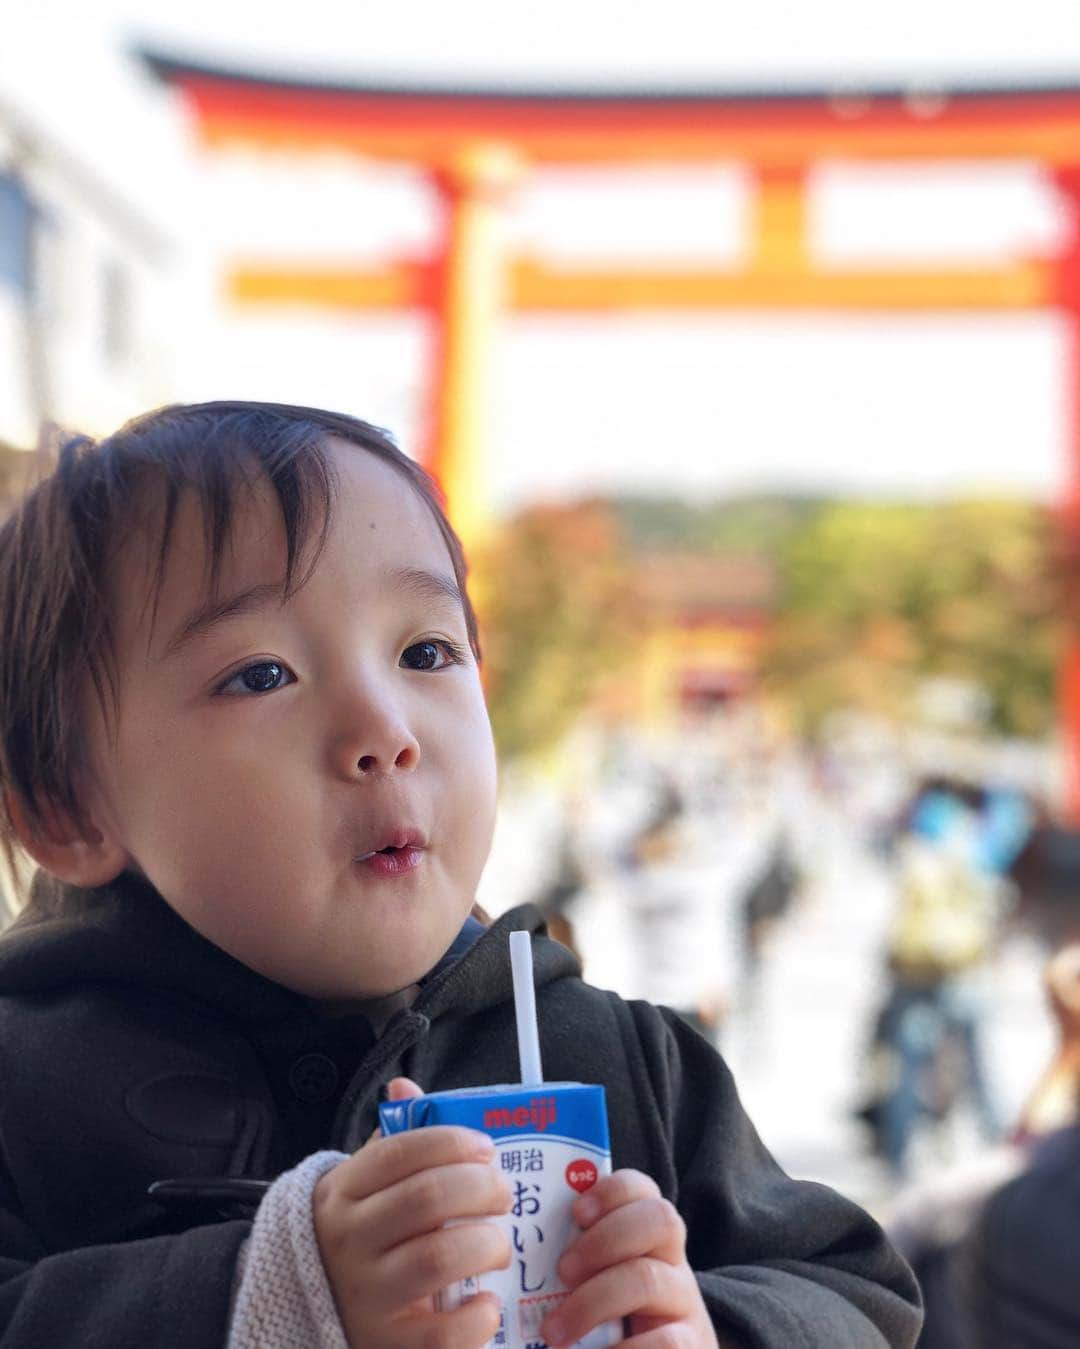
(313, 1078)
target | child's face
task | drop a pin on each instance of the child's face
(260, 760)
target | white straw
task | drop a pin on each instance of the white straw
(525, 1008)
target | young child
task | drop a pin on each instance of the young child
(242, 735)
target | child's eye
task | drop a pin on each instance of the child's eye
(264, 676)
(432, 655)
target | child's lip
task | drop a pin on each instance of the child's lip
(397, 840)
(392, 861)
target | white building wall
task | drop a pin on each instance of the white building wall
(16, 415)
(90, 344)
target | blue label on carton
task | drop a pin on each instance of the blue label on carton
(564, 1109)
(551, 1144)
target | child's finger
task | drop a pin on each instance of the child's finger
(648, 1287)
(661, 1337)
(383, 1162)
(643, 1227)
(696, 1331)
(425, 1201)
(402, 1089)
(421, 1267)
(399, 1089)
(474, 1324)
(610, 1192)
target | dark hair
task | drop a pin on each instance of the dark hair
(56, 547)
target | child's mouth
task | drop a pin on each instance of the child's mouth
(393, 861)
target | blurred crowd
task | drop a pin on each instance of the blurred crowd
(674, 865)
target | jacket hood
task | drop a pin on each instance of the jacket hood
(125, 933)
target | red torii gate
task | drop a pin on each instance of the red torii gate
(474, 143)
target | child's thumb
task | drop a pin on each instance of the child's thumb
(402, 1089)
(398, 1089)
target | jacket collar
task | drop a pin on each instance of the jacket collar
(125, 933)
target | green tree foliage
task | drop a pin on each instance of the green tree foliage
(554, 597)
(747, 525)
(877, 597)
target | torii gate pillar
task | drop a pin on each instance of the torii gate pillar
(1067, 181)
(471, 280)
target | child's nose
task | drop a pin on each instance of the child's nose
(382, 744)
(406, 757)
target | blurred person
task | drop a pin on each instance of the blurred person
(994, 1254)
(1017, 1270)
(243, 736)
(671, 913)
(555, 898)
(765, 900)
(1046, 873)
(926, 1045)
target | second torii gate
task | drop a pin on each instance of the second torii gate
(475, 143)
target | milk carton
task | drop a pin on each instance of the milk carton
(551, 1144)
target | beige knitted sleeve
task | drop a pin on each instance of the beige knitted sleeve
(280, 1294)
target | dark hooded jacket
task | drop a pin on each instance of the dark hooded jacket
(1017, 1270)
(133, 1051)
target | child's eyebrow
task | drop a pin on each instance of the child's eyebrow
(428, 585)
(425, 584)
(213, 612)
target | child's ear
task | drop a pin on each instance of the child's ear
(74, 851)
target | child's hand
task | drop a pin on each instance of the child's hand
(380, 1225)
(630, 1261)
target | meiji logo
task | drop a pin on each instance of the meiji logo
(540, 1112)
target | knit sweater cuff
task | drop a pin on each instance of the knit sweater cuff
(281, 1294)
